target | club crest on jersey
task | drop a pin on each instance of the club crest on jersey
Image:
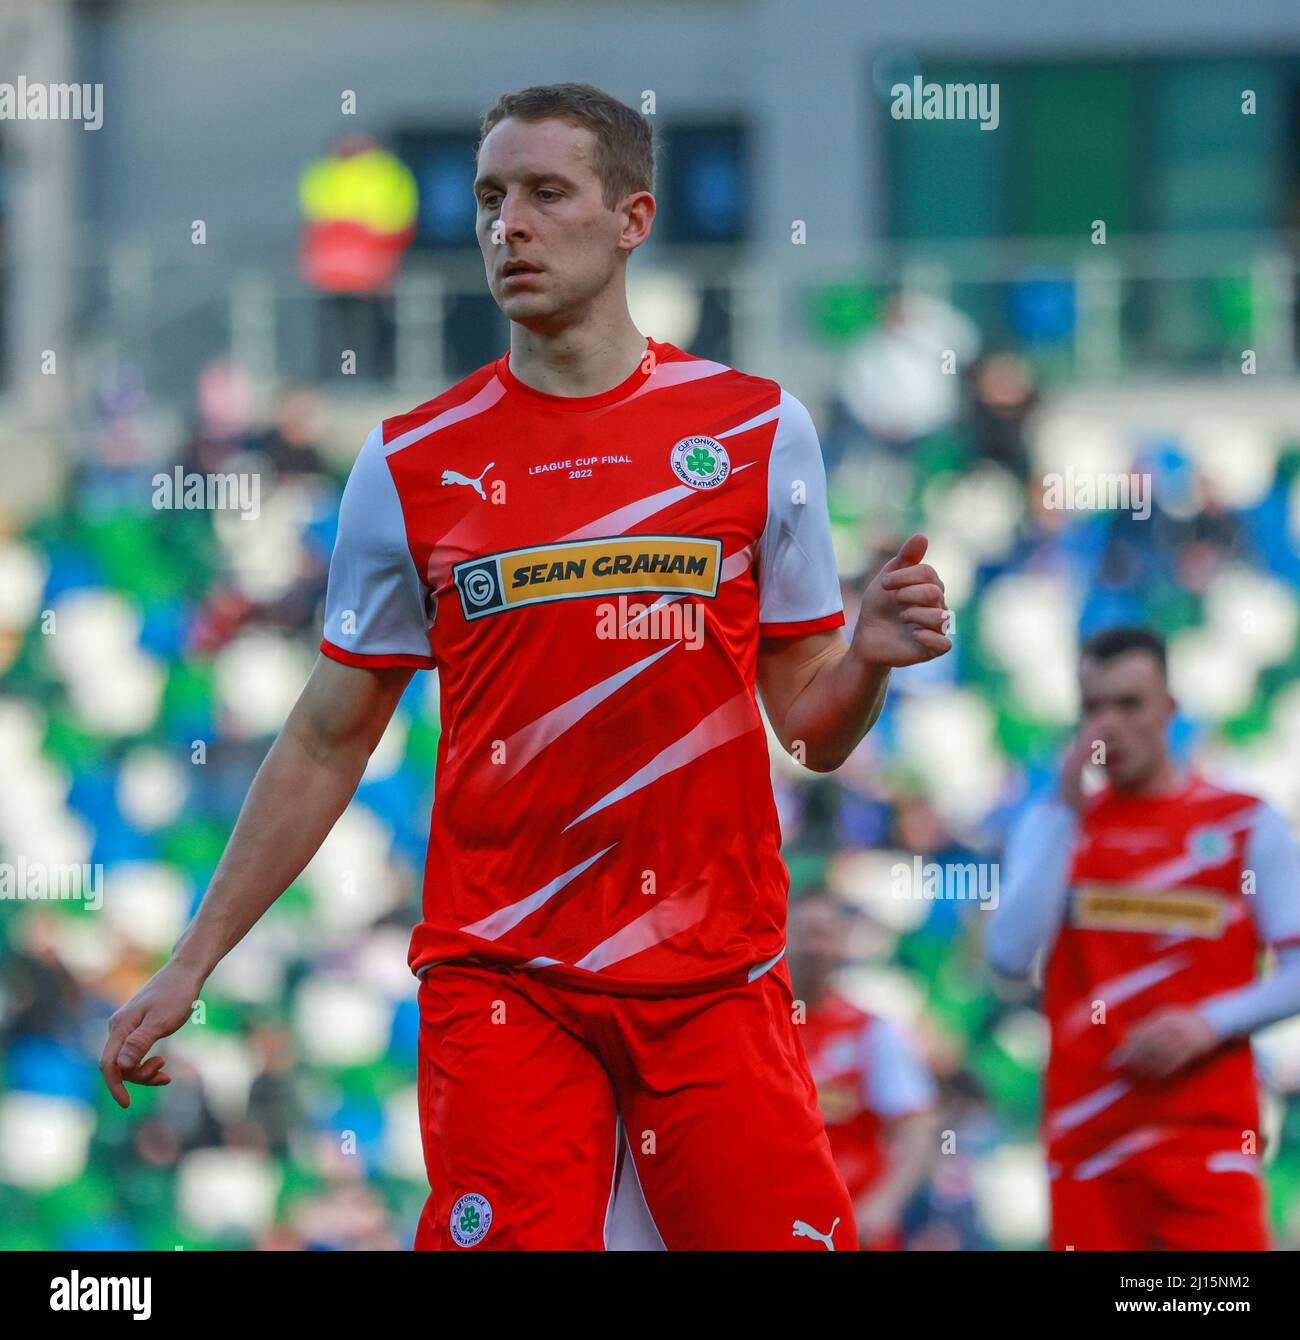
(700, 462)
(1210, 844)
(471, 1217)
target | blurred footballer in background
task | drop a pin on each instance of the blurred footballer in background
(1149, 903)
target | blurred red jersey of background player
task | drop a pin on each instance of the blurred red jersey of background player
(1150, 901)
(876, 1095)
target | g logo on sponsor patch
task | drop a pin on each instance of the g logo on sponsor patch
(700, 462)
(480, 586)
(471, 1217)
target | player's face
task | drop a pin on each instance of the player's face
(1126, 705)
(814, 939)
(539, 201)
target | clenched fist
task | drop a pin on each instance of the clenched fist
(903, 619)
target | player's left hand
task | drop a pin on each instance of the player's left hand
(1166, 1042)
(903, 619)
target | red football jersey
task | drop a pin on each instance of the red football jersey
(1158, 915)
(591, 576)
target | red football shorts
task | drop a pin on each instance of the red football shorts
(1163, 1198)
(555, 1118)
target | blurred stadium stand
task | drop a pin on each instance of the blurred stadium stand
(291, 1119)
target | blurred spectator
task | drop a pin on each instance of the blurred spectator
(291, 443)
(902, 381)
(224, 410)
(1002, 395)
(359, 205)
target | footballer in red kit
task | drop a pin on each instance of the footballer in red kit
(607, 549)
(876, 1096)
(1149, 903)
(602, 582)
(603, 817)
(558, 594)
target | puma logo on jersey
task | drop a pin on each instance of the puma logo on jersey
(802, 1230)
(455, 477)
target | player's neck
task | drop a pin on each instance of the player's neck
(1165, 780)
(580, 361)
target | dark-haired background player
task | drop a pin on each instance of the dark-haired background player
(1149, 902)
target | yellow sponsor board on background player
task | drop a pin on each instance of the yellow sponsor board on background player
(1119, 907)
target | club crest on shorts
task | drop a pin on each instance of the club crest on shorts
(471, 1217)
(700, 462)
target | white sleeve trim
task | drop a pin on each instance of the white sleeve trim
(797, 578)
(1264, 1001)
(894, 1079)
(1272, 858)
(375, 602)
(1032, 896)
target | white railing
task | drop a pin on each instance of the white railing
(170, 314)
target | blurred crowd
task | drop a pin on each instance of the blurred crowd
(148, 654)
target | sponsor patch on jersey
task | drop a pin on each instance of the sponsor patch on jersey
(702, 462)
(471, 1217)
(839, 1099)
(1115, 907)
(613, 565)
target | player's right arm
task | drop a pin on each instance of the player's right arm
(376, 634)
(303, 785)
(1036, 869)
(1032, 890)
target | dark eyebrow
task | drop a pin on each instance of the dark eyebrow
(529, 179)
